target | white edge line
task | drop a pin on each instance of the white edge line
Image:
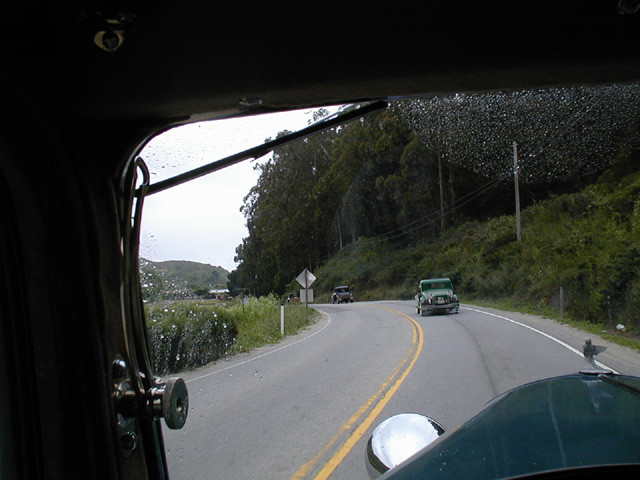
(263, 355)
(560, 342)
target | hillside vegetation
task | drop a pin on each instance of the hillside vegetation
(587, 243)
(422, 177)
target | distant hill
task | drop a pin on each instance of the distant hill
(179, 278)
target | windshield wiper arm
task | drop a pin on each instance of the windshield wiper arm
(259, 151)
(624, 386)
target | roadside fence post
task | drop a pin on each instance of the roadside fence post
(282, 319)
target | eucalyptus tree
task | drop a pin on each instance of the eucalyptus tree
(284, 235)
(362, 188)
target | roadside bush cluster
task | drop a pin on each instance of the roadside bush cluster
(186, 334)
(258, 321)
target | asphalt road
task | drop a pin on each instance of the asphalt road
(304, 408)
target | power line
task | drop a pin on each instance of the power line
(434, 216)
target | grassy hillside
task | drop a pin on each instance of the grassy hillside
(179, 278)
(585, 243)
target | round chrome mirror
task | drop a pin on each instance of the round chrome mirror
(398, 438)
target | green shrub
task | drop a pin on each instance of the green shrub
(184, 335)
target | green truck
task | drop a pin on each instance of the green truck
(435, 295)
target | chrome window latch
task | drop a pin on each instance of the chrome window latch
(140, 398)
(169, 400)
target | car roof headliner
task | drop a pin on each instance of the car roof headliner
(184, 59)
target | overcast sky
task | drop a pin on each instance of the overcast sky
(201, 220)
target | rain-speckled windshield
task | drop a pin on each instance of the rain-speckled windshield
(425, 258)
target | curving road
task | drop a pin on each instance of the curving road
(305, 407)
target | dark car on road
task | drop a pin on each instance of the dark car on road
(293, 297)
(341, 294)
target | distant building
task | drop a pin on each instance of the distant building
(220, 294)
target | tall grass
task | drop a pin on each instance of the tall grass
(258, 321)
(187, 334)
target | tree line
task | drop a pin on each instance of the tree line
(407, 174)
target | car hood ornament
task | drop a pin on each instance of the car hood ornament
(590, 367)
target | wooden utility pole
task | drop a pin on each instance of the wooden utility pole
(441, 179)
(517, 187)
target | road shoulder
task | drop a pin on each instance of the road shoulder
(623, 359)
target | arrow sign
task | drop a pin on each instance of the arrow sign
(306, 278)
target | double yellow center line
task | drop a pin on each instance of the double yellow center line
(374, 406)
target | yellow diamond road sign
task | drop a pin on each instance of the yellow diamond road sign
(306, 278)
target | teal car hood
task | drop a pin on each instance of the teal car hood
(560, 423)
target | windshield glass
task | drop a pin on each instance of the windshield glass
(527, 202)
